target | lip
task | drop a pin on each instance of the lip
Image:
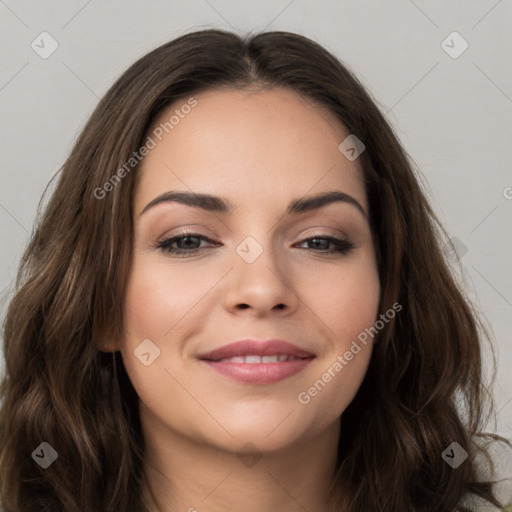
(258, 373)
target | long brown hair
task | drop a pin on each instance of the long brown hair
(424, 387)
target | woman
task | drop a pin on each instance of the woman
(236, 300)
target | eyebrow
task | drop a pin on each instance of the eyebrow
(218, 204)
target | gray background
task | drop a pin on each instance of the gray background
(453, 115)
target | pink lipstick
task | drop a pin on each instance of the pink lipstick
(258, 362)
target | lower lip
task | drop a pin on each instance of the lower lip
(259, 373)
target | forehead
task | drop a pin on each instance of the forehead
(250, 144)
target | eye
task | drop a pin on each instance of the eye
(189, 244)
(187, 247)
(341, 246)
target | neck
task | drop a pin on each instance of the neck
(184, 476)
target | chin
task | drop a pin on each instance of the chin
(266, 431)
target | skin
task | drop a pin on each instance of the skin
(261, 149)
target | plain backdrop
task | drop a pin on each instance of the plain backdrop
(451, 106)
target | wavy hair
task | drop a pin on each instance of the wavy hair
(424, 388)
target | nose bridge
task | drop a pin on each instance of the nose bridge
(258, 258)
(256, 228)
(259, 278)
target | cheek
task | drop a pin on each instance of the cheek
(347, 305)
(345, 299)
(158, 307)
(165, 304)
(160, 299)
(329, 393)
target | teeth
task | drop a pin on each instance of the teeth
(235, 359)
(253, 359)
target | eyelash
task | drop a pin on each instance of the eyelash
(341, 246)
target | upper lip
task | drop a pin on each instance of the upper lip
(259, 348)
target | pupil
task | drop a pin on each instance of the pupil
(185, 239)
(318, 242)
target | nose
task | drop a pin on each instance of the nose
(262, 286)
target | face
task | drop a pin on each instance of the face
(202, 278)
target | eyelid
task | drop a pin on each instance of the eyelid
(332, 231)
(342, 246)
(188, 231)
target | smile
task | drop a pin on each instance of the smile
(258, 362)
(255, 359)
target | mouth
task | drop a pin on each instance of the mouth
(258, 362)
